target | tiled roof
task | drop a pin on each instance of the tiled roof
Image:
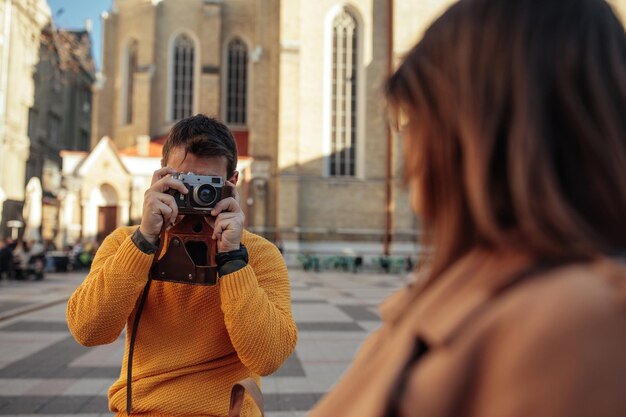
(154, 150)
(73, 48)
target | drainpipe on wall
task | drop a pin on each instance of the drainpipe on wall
(389, 147)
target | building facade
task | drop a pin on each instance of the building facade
(332, 158)
(60, 117)
(21, 22)
(299, 84)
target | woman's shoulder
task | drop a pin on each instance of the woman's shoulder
(556, 333)
(580, 292)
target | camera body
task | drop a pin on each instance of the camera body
(204, 193)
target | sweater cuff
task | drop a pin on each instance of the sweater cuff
(132, 259)
(142, 243)
(240, 282)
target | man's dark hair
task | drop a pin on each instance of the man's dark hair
(204, 137)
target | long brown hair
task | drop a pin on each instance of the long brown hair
(516, 128)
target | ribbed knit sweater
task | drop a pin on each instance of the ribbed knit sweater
(193, 342)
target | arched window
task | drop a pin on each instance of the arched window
(183, 64)
(344, 95)
(130, 67)
(237, 83)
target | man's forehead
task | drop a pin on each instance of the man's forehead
(211, 165)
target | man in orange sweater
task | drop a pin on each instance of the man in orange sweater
(193, 342)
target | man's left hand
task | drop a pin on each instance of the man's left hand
(228, 222)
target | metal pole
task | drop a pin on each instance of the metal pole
(389, 147)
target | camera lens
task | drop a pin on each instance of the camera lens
(204, 195)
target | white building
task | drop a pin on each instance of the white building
(21, 22)
(104, 189)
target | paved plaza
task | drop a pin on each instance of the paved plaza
(43, 371)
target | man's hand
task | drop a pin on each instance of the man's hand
(228, 223)
(159, 207)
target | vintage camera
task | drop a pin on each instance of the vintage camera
(204, 193)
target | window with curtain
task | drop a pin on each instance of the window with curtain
(344, 95)
(182, 77)
(237, 83)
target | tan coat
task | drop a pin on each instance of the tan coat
(553, 344)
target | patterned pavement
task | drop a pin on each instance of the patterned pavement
(43, 371)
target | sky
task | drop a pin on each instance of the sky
(71, 14)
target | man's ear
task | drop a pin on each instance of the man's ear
(234, 178)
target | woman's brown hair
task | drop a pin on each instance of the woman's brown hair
(516, 128)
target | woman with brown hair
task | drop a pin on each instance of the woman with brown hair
(513, 119)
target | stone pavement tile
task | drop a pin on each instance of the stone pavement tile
(36, 326)
(305, 301)
(359, 313)
(65, 405)
(21, 404)
(342, 351)
(318, 313)
(52, 313)
(11, 305)
(268, 383)
(326, 326)
(325, 373)
(291, 367)
(331, 293)
(53, 415)
(11, 387)
(291, 402)
(63, 415)
(370, 326)
(50, 387)
(344, 301)
(306, 294)
(371, 294)
(19, 345)
(290, 385)
(104, 356)
(329, 336)
(52, 362)
(48, 362)
(90, 386)
(99, 404)
(286, 414)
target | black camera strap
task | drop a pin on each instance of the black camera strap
(131, 348)
(133, 335)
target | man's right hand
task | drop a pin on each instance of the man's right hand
(158, 206)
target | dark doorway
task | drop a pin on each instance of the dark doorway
(107, 221)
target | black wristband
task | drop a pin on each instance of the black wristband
(240, 254)
(231, 266)
(142, 243)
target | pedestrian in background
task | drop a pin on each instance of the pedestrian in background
(6, 259)
(513, 118)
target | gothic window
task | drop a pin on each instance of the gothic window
(183, 64)
(237, 83)
(344, 95)
(131, 68)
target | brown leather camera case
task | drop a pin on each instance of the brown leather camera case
(189, 253)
